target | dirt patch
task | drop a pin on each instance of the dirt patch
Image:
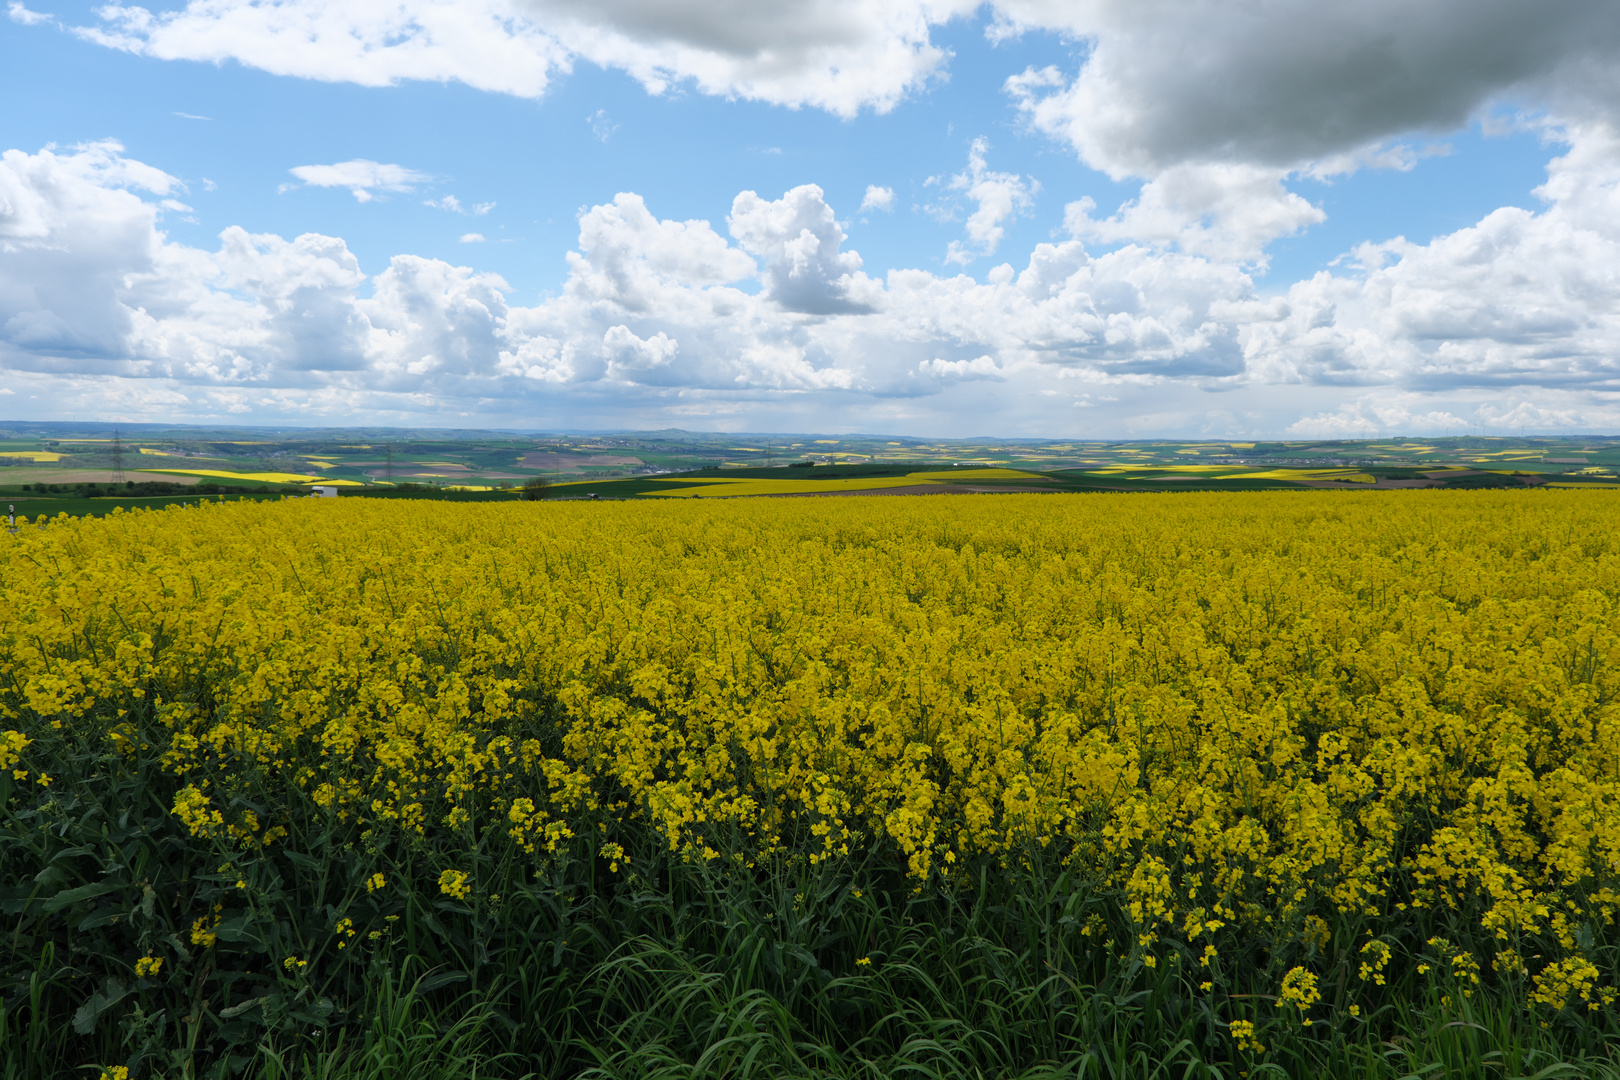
(458, 471)
(415, 472)
(1001, 489)
(93, 476)
(1382, 485)
(572, 462)
(909, 489)
(1435, 481)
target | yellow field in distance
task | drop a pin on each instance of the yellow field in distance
(728, 487)
(262, 477)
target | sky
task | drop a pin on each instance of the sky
(1032, 218)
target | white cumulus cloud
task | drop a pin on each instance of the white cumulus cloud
(997, 197)
(21, 14)
(1223, 211)
(800, 239)
(980, 367)
(1513, 318)
(456, 206)
(362, 177)
(877, 198)
(1520, 298)
(487, 44)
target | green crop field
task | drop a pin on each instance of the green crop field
(641, 464)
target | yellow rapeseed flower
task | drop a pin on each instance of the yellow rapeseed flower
(454, 883)
(1278, 714)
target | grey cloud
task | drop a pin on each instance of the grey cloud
(839, 55)
(1286, 82)
(1274, 83)
(780, 34)
(1215, 106)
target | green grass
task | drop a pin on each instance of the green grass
(1056, 481)
(613, 489)
(1142, 480)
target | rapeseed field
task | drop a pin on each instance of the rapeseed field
(1296, 784)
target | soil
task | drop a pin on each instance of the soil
(571, 462)
(15, 475)
(909, 489)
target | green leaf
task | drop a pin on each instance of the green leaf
(237, 1010)
(71, 853)
(84, 1019)
(83, 892)
(444, 978)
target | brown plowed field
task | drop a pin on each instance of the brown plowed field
(572, 462)
(14, 475)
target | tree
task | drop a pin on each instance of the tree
(534, 488)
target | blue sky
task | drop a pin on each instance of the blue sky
(1239, 296)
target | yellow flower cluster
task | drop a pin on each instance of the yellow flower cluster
(1572, 977)
(1377, 955)
(1243, 1035)
(203, 930)
(12, 745)
(454, 883)
(1299, 990)
(1267, 710)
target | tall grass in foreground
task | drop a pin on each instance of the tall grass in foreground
(669, 968)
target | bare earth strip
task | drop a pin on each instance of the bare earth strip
(1382, 485)
(83, 476)
(1001, 489)
(572, 462)
(911, 489)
